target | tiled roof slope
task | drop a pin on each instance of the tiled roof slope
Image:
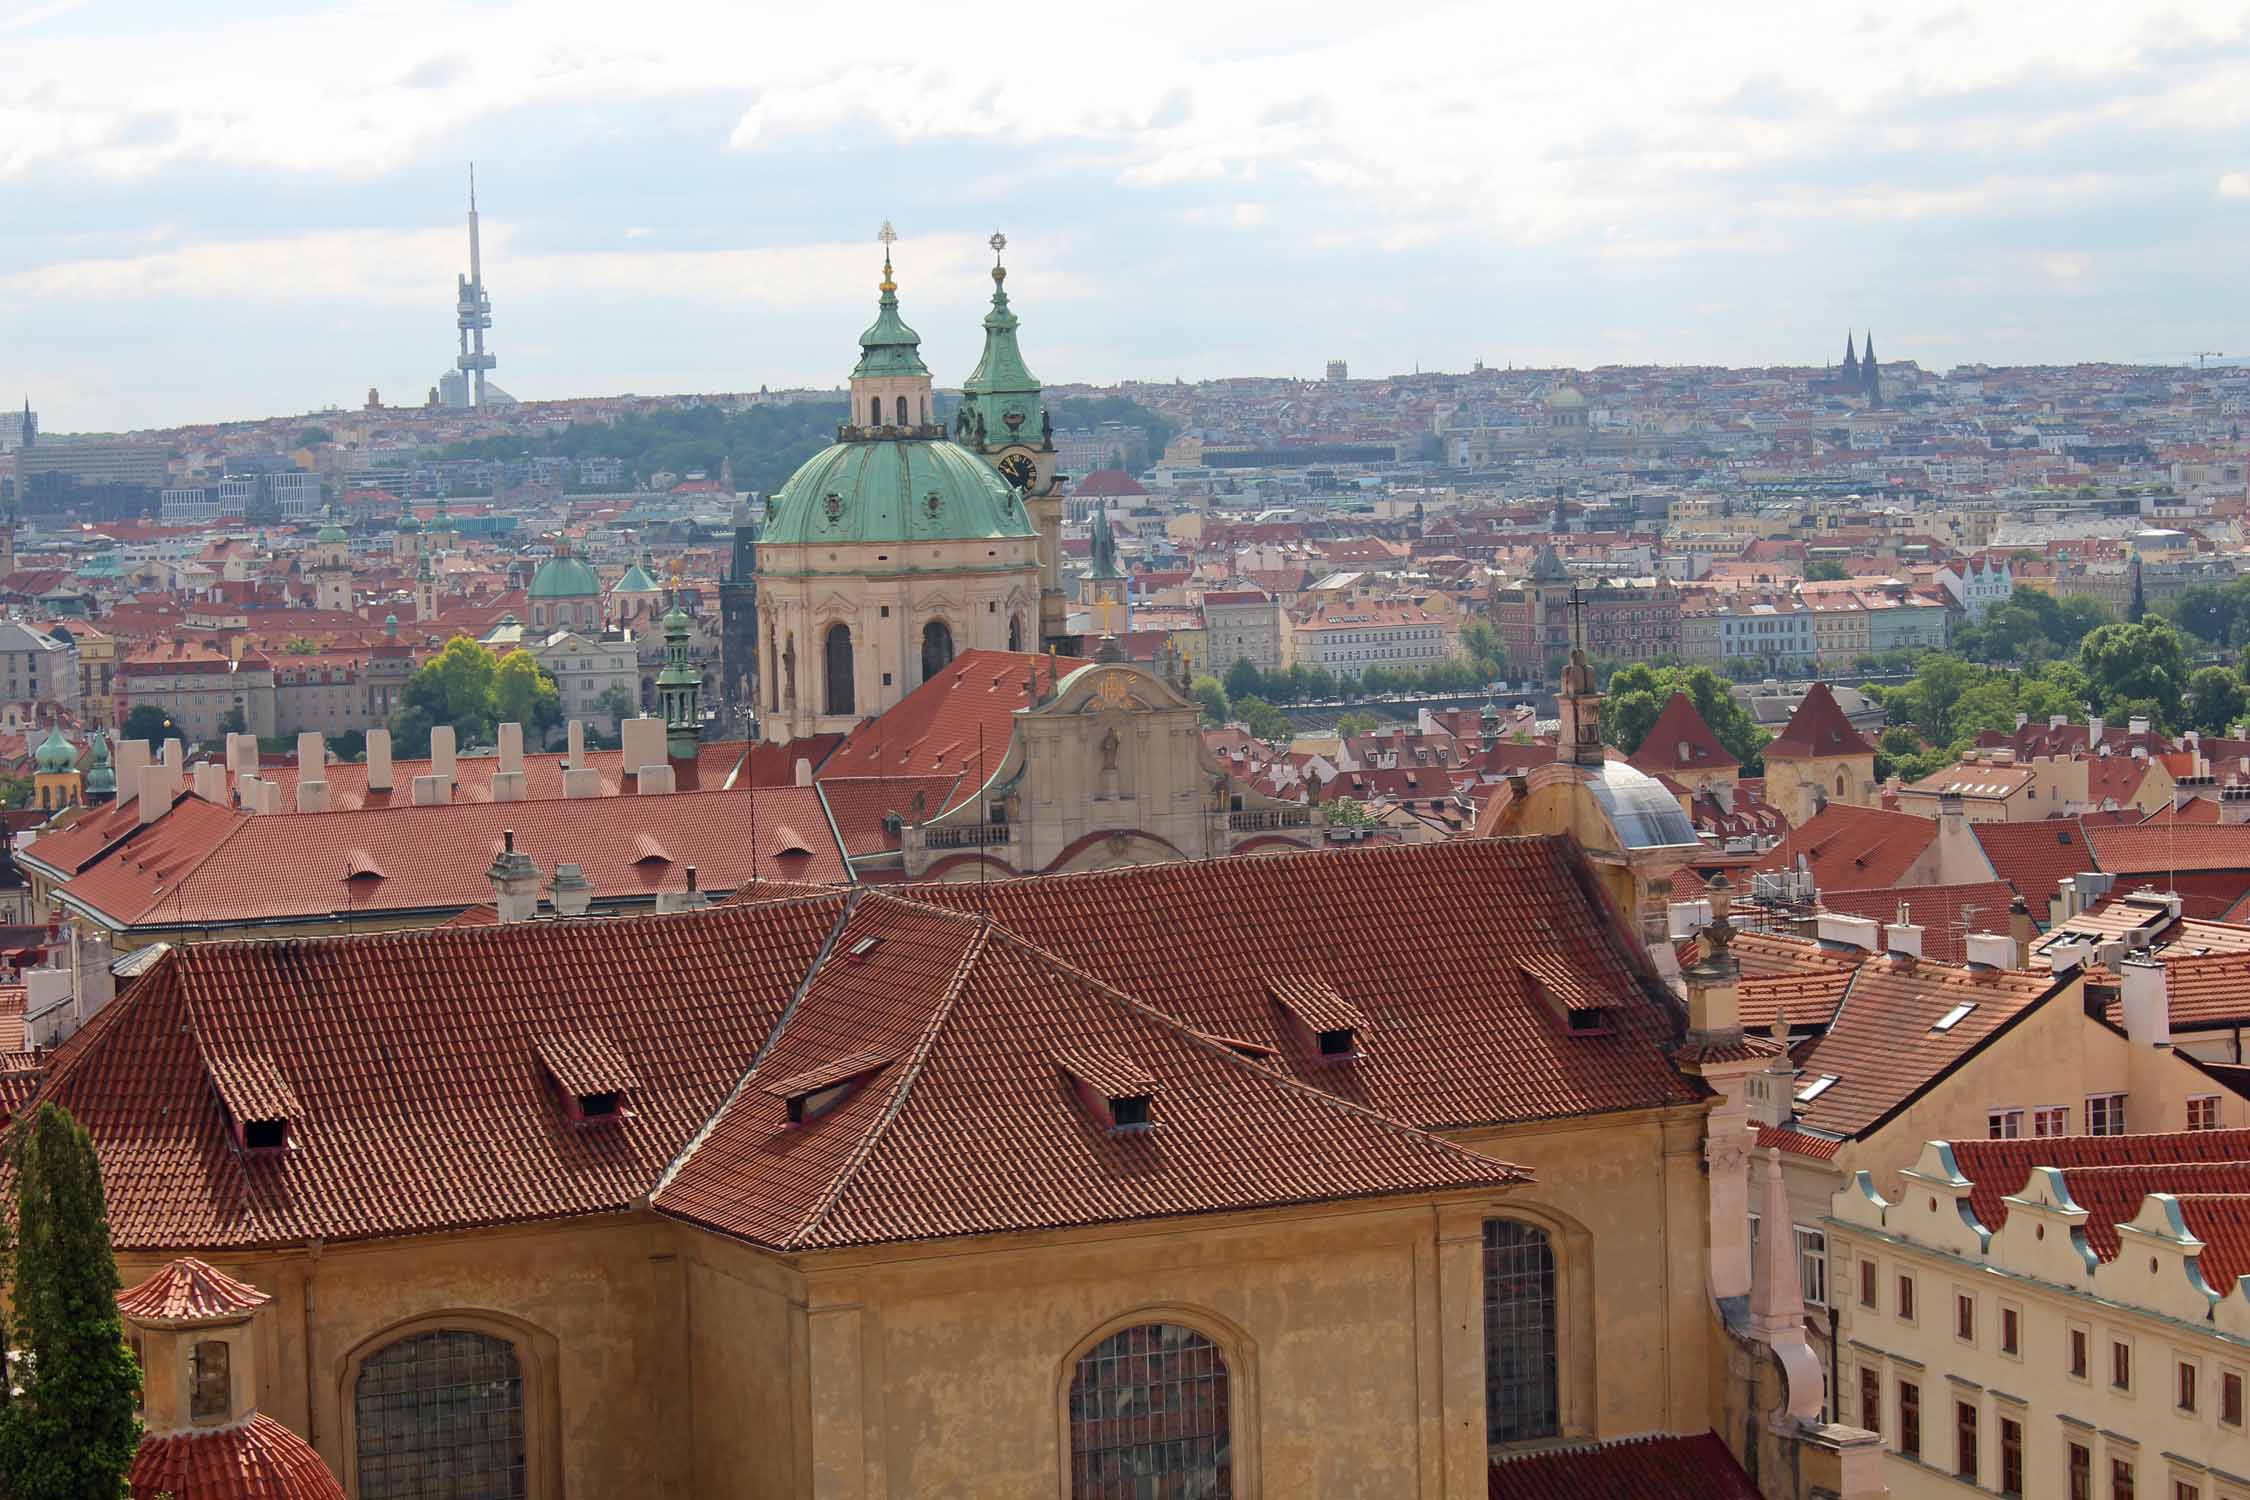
(2036, 857)
(1883, 1048)
(950, 723)
(2184, 847)
(1947, 914)
(1817, 728)
(1427, 940)
(188, 1291)
(1681, 741)
(413, 1058)
(217, 866)
(1648, 1468)
(254, 1460)
(974, 1126)
(1854, 848)
(1998, 1168)
(2210, 990)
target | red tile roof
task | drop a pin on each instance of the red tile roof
(2000, 1168)
(1646, 1468)
(1817, 728)
(1679, 740)
(957, 722)
(1884, 1048)
(1854, 848)
(2036, 858)
(1798, 1142)
(254, 1460)
(202, 865)
(2144, 850)
(1455, 1033)
(188, 1291)
(976, 1131)
(1947, 914)
(412, 1058)
(862, 806)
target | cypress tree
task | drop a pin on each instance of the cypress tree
(72, 1427)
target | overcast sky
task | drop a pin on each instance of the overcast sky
(247, 207)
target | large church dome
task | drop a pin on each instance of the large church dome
(897, 490)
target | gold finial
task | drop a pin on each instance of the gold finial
(889, 237)
(998, 242)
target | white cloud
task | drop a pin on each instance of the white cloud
(1249, 215)
(2235, 185)
(638, 231)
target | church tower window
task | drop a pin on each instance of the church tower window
(837, 649)
(1521, 1384)
(902, 411)
(937, 648)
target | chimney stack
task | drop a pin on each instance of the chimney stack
(571, 892)
(577, 755)
(211, 783)
(379, 760)
(804, 771)
(642, 740)
(657, 780)
(432, 790)
(242, 754)
(2094, 729)
(582, 781)
(1905, 939)
(131, 756)
(442, 756)
(1990, 950)
(1846, 931)
(515, 881)
(694, 898)
(511, 749)
(154, 795)
(2148, 1040)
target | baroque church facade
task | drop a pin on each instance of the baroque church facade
(906, 542)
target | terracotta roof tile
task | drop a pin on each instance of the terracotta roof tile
(1436, 975)
(956, 723)
(1647, 1468)
(1817, 728)
(586, 1062)
(1798, 1142)
(254, 1460)
(188, 1291)
(1884, 1047)
(2144, 850)
(1854, 848)
(1947, 914)
(1679, 740)
(977, 1131)
(2037, 857)
(1998, 1169)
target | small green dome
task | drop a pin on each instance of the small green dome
(909, 490)
(100, 778)
(54, 752)
(564, 577)
(408, 521)
(331, 532)
(638, 579)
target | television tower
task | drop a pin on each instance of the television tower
(474, 308)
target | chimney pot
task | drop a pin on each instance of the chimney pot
(442, 742)
(379, 760)
(804, 771)
(1990, 950)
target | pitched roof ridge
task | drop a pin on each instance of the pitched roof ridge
(65, 1061)
(1219, 1048)
(741, 1085)
(899, 1087)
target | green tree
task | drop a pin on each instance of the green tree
(350, 745)
(1347, 812)
(147, 722)
(314, 436)
(1825, 570)
(2132, 668)
(1481, 643)
(615, 704)
(1263, 720)
(465, 686)
(1212, 694)
(1244, 680)
(1930, 701)
(1638, 693)
(15, 791)
(523, 692)
(2214, 699)
(72, 1428)
(1356, 723)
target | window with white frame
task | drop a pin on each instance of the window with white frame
(2050, 1120)
(1812, 1265)
(2203, 1112)
(2105, 1114)
(2003, 1124)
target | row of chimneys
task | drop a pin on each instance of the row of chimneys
(1903, 939)
(515, 887)
(157, 782)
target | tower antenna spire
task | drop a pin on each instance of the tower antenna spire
(473, 308)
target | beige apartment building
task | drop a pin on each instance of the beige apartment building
(2050, 1318)
(1245, 625)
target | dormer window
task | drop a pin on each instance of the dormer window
(1590, 1020)
(1584, 1010)
(1329, 1025)
(818, 1091)
(1953, 1017)
(255, 1099)
(1339, 1041)
(1130, 1111)
(1118, 1092)
(594, 1080)
(265, 1135)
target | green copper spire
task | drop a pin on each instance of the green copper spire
(1001, 391)
(889, 347)
(101, 778)
(679, 686)
(1103, 561)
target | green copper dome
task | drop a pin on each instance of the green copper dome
(101, 779)
(914, 490)
(330, 531)
(54, 752)
(889, 347)
(638, 579)
(564, 577)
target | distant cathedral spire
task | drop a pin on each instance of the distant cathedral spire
(1870, 373)
(1851, 360)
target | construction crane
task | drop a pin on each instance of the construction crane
(2203, 354)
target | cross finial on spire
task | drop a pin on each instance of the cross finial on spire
(998, 242)
(889, 237)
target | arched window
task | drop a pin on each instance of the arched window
(875, 411)
(925, 411)
(440, 1413)
(937, 648)
(1839, 783)
(789, 674)
(836, 651)
(1521, 1396)
(1015, 632)
(1148, 1416)
(902, 411)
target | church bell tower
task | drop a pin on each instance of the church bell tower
(1003, 418)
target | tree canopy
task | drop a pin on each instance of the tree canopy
(2032, 627)
(72, 1427)
(765, 443)
(1638, 693)
(466, 686)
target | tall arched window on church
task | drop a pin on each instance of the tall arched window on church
(937, 648)
(875, 411)
(1521, 1391)
(902, 411)
(440, 1413)
(836, 651)
(1839, 783)
(788, 689)
(1015, 632)
(1148, 1416)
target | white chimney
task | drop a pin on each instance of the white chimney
(312, 796)
(2136, 725)
(642, 740)
(175, 754)
(2057, 721)
(511, 748)
(1684, 919)
(131, 756)
(582, 781)
(2067, 958)
(242, 753)
(2094, 730)
(577, 755)
(154, 794)
(1847, 931)
(694, 898)
(515, 881)
(2141, 990)
(312, 757)
(508, 786)
(2022, 720)
(571, 891)
(1905, 940)
(247, 789)
(211, 782)
(804, 771)
(441, 754)
(656, 780)
(1990, 950)
(378, 760)
(432, 790)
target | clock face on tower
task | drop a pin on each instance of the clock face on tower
(1018, 470)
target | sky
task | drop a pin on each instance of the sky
(244, 208)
